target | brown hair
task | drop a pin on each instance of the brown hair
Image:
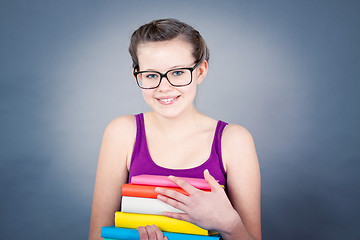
(164, 30)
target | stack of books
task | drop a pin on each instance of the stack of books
(140, 207)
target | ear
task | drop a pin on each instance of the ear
(132, 73)
(201, 71)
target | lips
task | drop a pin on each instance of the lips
(167, 100)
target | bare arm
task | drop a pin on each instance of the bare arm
(112, 172)
(243, 180)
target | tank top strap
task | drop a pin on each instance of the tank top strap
(140, 126)
(218, 133)
(217, 143)
(140, 136)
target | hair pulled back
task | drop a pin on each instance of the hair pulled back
(164, 30)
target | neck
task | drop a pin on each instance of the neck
(177, 125)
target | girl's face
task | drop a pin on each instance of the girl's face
(167, 100)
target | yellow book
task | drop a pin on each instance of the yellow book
(134, 220)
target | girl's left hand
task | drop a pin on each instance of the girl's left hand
(208, 210)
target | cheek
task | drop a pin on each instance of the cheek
(147, 95)
(190, 91)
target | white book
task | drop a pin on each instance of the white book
(146, 206)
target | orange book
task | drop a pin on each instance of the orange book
(145, 191)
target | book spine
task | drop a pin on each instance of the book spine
(145, 206)
(113, 232)
(164, 181)
(133, 220)
(145, 191)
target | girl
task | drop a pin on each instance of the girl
(170, 60)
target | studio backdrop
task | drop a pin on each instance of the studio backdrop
(288, 71)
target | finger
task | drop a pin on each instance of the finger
(158, 232)
(183, 184)
(142, 233)
(179, 216)
(151, 232)
(172, 194)
(214, 185)
(174, 203)
(154, 232)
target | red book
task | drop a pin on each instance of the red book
(145, 191)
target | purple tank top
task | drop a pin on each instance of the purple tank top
(141, 162)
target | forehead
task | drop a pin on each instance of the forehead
(164, 55)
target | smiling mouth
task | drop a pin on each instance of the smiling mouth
(168, 100)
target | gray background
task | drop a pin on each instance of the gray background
(286, 70)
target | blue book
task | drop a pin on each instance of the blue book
(113, 232)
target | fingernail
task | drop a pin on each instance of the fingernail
(171, 177)
(206, 171)
(157, 190)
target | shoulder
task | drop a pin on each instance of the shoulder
(121, 132)
(235, 134)
(121, 126)
(237, 145)
(118, 141)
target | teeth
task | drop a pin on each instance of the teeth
(167, 100)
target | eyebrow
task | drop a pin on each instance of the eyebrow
(173, 67)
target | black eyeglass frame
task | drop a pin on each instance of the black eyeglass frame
(165, 76)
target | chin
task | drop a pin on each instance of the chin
(169, 111)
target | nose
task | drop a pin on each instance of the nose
(164, 84)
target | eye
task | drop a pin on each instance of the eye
(151, 75)
(177, 73)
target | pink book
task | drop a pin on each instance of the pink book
(164, 181)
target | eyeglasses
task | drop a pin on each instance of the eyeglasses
(178, 77)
